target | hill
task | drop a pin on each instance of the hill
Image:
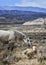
(20, 15)
(39, 21)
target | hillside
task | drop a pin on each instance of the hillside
(19, 17)
(14, 54)
(39, 21)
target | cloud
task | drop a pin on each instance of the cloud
(34, 3)
(27, 4)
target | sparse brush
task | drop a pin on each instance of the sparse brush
(5, 62)
(17, 58)
(41, 59)
(30, 55)
(25, 53)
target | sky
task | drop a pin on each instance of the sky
(34, 3)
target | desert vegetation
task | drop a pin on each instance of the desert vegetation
(23, 54)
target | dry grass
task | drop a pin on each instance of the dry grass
(19, 58)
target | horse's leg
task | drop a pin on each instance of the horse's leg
(10, 45)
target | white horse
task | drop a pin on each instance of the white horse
(13, 36)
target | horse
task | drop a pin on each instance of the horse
(12, 36)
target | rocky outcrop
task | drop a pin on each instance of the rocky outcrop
(39, 21)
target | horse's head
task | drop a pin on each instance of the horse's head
(22, 37)
(27, 41)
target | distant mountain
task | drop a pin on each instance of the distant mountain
(16, 12)
(20, 15)
(33, 9)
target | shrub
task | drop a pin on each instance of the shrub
(17, 58)
(5, 62)
(25, 52)
(41, 59)
(30, 55)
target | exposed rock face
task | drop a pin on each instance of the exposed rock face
(39, 21)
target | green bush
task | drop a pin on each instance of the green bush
(25, 52)
(17, 58)
(5, 62)
(41, 59)
(30, 55)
